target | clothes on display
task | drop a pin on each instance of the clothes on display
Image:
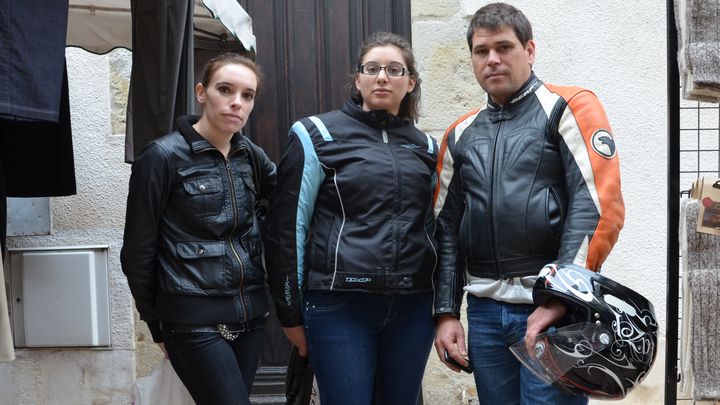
(160, 87)
(32, 30)
(700, 343)
(699, 53)
(35, 133)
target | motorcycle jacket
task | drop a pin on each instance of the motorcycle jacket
(352, 210)
(192, 250)
(524, 184)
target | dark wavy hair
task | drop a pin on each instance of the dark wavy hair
(230, 58)
(495, 16)
(410, 104)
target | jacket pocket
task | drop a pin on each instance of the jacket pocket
(249, 199)
(202, 266)
(204, 195)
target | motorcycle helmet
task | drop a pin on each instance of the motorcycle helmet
(606, 342)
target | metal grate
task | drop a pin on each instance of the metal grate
(699, 155)
(699, 141)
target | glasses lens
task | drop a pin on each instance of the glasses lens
(371, 68)
(395, 70)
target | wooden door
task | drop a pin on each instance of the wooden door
(307, 50)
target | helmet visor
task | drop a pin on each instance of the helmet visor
(558, 350)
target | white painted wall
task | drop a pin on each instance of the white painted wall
(615, 48)
(94, 216)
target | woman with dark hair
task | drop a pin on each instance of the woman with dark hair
(192, 249)
(351, 255)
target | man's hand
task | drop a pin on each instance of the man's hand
(450, 336)
(543, 317)
(296, 335)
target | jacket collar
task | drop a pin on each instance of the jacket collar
(375, 118)
(508, 110)
(198, 143)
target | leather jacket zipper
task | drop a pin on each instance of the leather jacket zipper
(493, 185)
(230, 237)
(398, 191)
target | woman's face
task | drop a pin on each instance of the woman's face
(228, 98)
(382, 91)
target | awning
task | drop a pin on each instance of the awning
(100, 25)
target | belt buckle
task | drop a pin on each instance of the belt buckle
(226, 333)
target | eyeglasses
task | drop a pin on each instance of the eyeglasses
(373, 69)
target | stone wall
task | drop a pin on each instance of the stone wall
(617, 49)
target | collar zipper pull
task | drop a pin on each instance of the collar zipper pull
(384, 135)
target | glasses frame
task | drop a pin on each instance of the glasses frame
(403, 70)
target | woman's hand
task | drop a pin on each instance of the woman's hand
(296, 335)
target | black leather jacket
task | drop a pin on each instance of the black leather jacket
(524, 184)
(355, 189)
(192, 249)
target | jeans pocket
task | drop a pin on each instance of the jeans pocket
(324, 301)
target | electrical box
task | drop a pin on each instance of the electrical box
(60, 296)
(28, 216)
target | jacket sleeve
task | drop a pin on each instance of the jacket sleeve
(268, 176)
(286, 228)
(266, 171)
(595, 209)
(448, 209)
(148, 192)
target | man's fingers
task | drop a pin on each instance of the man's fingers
(462, 348)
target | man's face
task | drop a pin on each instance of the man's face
(500, 62)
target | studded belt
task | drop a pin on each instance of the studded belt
(229, 331)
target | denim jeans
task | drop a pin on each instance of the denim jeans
(214, 370)
(363, 344)
(499, 377)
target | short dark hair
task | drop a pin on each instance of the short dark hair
(230, 58)
(410, 104)
(495, 16)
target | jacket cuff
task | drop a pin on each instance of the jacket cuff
(446, 311)
(289, 319)
(288, 316)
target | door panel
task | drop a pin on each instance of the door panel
(306, 50)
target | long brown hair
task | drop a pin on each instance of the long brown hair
(410, 105)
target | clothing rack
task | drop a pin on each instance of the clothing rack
(693, 151)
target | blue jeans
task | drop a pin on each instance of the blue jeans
(214, 370)
(363, 344)
(499, 377)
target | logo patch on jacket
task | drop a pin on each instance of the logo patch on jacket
(411, 146)
(360, 280)
(603, 144)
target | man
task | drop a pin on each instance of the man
(529, 179)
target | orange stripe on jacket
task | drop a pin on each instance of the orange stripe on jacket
(443, 149)
(590, 117)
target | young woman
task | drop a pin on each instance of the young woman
(349, 226)
(192, 247)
